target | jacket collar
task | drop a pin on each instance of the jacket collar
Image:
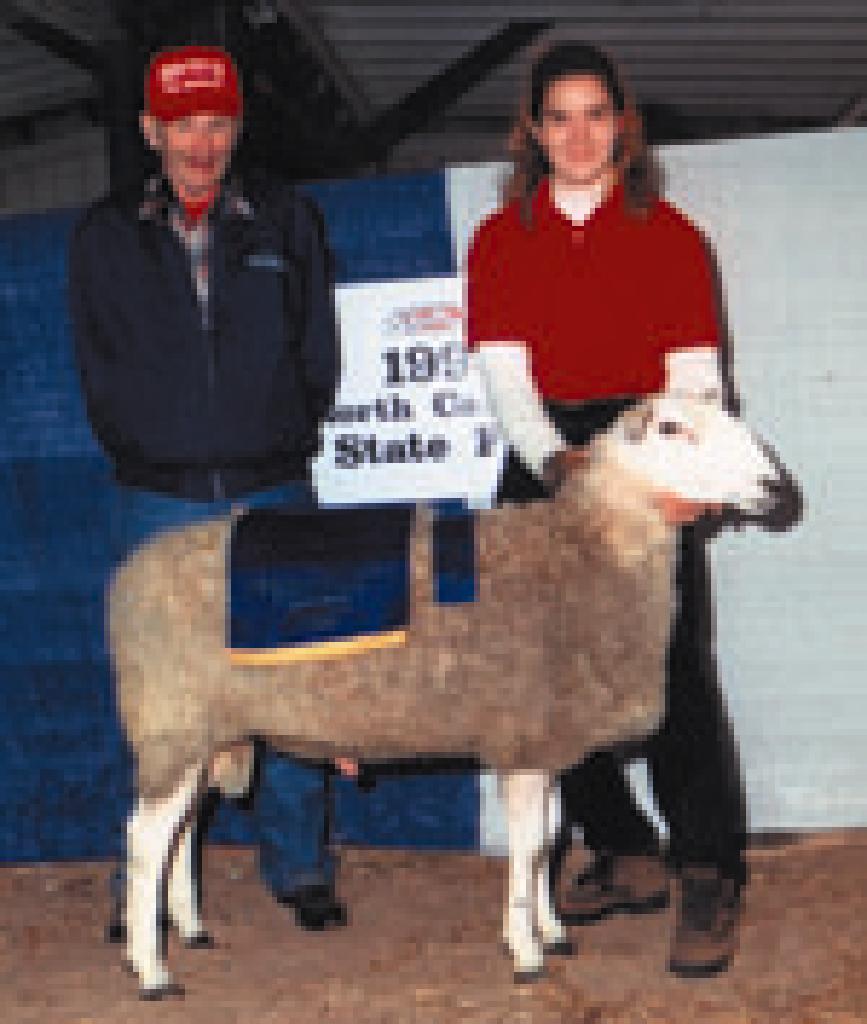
(158, 201)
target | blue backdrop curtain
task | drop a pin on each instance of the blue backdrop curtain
(64, 769)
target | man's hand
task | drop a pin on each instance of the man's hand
(347, 766)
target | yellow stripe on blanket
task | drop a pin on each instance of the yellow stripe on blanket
(325, 650)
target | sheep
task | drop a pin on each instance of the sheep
(562, 653)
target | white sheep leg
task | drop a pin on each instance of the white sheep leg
(183, 904)
(554, 936)
(525, 796)
(151, 832)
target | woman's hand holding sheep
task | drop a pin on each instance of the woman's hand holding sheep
(679, 512)
(560, 466)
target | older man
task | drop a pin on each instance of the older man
(206, 340)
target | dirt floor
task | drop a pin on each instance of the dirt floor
(422, 946)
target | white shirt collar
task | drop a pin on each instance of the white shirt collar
(578, 204)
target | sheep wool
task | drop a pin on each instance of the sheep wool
(562, 653)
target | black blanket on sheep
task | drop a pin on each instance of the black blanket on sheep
(304, 576)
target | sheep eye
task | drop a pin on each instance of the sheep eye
(668, 428)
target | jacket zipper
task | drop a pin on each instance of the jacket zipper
(218, 487)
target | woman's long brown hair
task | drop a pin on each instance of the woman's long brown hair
(563, 60)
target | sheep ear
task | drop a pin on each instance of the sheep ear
(635, 422)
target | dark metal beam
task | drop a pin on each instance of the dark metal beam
(23, 129)
(121, 102)
(431, 99)
(667, 124)
(53, 39)
(162, 23)
(296, 115)
(298, 14)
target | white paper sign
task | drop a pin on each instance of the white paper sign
(410, 422)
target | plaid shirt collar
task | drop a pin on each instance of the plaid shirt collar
(160, 206)
(158, 202)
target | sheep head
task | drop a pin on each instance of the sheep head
(692, 449)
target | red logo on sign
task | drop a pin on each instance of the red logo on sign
(433, 317)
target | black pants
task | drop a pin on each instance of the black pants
(692, 757)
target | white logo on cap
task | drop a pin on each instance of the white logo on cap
(195, 73)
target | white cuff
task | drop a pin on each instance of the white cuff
(515, 401)
(694, 372)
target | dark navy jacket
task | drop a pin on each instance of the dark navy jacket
(197, 411)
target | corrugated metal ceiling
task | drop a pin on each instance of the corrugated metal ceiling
(31, 78)
(791, 58)
(780, 58)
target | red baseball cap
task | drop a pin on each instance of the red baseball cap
(192, 80)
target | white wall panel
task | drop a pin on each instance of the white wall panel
(787, 217)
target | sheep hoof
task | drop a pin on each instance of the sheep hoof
(204, 940)
(560, 947)
(527, 975)
(170, 990)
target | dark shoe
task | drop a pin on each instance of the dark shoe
(634, 884)
(706, 929)
(316, 907)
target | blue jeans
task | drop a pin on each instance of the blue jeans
(290, 809)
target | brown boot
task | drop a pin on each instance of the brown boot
(634, 884)
(706, 930)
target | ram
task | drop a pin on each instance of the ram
(562, 653)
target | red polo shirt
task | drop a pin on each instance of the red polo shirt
(598, 304)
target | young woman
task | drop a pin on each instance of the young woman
(586, 292)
